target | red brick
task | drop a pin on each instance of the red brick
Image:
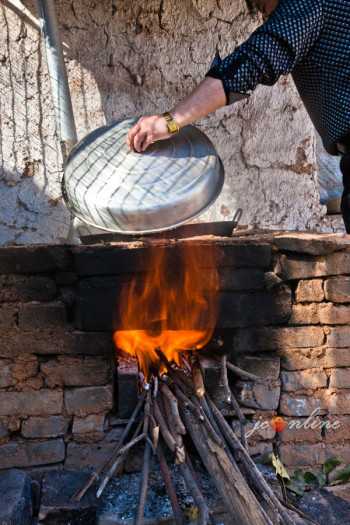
(337, 289)
(310, 290)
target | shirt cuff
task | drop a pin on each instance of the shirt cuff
(231, 96)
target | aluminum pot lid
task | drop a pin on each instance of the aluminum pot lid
(110, 187)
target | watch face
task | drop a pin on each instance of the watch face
(173, 127)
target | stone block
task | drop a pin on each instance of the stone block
(56, 341)
(337, 402)
(241, 279)
(300, 359)
(338, 428)
(88, 424)
(301, 430)
(34, 259)
(260, 450)
(77, 371)
(40, 427)
(300, 266)
(319, 313)
(338, 336)
(258, 396)
(303, 380)
(341, 451)
(86, 456)
(269, 338)
(302, 405)
(211, 370)
(14, 508)
(131, 257)
(57, 489)
(3, 427)
(6, 378)
(88, 400)
(31, 403)
(340, 378)
(66, 278)
(127, 386)
(313, 243)
(38, 315)
(337, 289)
(304, 314)
(302, 455)
(266, 367)
(23, 288)
(241, 310)
(255, 431)
(310, 290)
(16, 454)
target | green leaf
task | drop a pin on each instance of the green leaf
(310, 478)
(279, 467)
(191, 514)
(342, 477)
(299, 474)
(294, 488)
(330, 465)
(321, 480)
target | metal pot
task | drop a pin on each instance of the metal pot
(118, 190)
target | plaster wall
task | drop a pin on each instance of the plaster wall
(126, 59)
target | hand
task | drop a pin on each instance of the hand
(147, 130)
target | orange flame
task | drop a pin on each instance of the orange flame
(172, 309)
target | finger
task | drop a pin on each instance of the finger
(146, 142)
(132, 132)
(140, 137)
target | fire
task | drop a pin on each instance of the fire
(172, 309)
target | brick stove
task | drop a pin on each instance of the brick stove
(284, 316)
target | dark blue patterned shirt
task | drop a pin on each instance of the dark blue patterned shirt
(311, 40)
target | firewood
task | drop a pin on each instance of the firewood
(80, 493)
(198, 380)
(172, 402)
(230, 399)
(143, 482)
(239, 372)
(234, 491)
(203, 511)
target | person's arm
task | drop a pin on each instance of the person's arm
(208, 96)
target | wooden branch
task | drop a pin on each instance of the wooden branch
(230, 399)
(168, 438)
(80, 493)
(203, 511)
(179, 426)
(116, 464)
(143, 483)
(294, 509)
(234, 491)
(252, 471)
(183, 381)
(239, 372)
(178, 514)
(179, 446)
(198, 380)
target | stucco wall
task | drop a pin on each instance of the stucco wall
(130, 58)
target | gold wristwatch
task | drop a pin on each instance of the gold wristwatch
(170, 122)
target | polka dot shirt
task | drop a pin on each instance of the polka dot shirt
(309, 39)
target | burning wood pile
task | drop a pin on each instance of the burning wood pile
(167, 317)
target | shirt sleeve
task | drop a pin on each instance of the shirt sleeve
(272, 50)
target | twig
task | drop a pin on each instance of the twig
(239, 372)
(203, 511)
(230, 399)
(80, 493)
(182, 381)
(143, 483)
(178, 515)
(116, 464)
(198, 380)
(168, 438)
(179, 426)
(186, 401)
(294, 509)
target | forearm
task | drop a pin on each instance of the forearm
(207, 97)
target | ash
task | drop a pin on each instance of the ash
(120, 497)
